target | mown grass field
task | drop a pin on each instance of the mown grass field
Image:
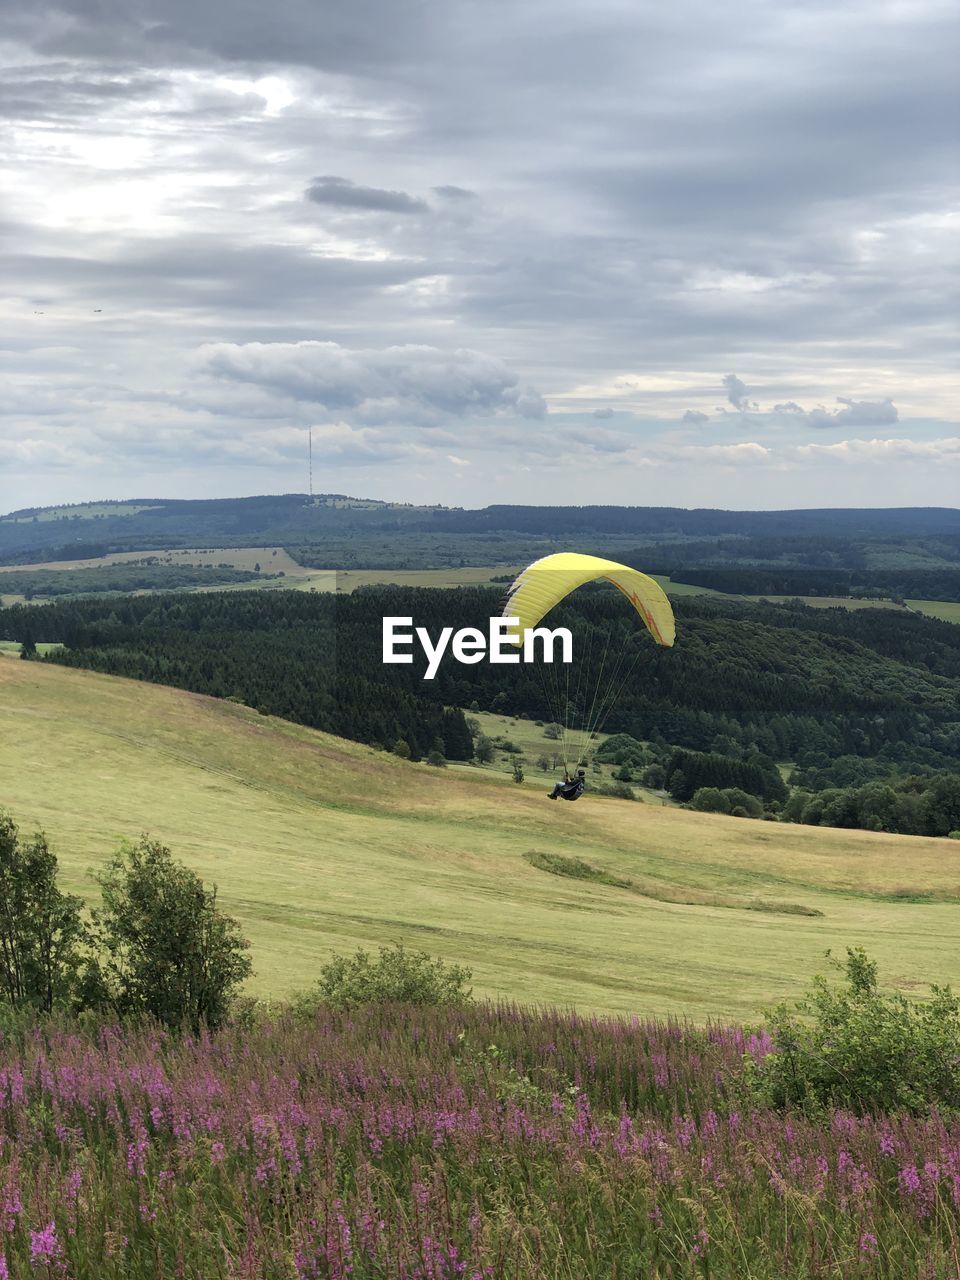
(320, 845)
(829, 602)
(948, 611)
(84, 512)
(270, 559)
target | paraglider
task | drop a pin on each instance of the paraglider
(580, 714)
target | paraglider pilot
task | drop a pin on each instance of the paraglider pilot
(569, 788)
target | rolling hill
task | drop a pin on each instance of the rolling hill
(319, 844)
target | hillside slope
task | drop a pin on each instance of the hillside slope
(319, 844)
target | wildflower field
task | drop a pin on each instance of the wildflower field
(486, 1142)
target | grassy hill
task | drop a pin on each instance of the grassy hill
(319, 844)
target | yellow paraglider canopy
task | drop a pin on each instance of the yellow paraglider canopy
(579, 710)
(546, 582)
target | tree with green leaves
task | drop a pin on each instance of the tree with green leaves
(42, 934)
(166, 949)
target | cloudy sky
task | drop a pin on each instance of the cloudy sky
(487, 250)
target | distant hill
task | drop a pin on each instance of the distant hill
(318, 844)
(368, 532)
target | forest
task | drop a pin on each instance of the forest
(894, 584)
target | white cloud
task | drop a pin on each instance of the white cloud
(745, 452)
(945, 449)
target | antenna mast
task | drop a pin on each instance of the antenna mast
(310, 454)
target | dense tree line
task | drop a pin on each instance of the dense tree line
(917, 584)
(119, 578)
(666, 522)
(922, 806)
(329, 530)
(688, 771)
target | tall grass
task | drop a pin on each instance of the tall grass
(416, 1144)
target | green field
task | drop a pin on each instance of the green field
(85, 512)
(270, 559)
(948, 611)
(11, 648)
(534, 744)
(319, 845)
(828, 602)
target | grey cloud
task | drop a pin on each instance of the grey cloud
(865, 413)
(606, 412)
(362, 37)
(695, 416)
(530, 404)
(455, 193)
(790, 406)
(344, 194)
(404, 384)
(737, 393)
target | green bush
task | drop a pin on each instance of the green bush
(165, 949)
(730, 800)
(858, 1047)
(396, 976)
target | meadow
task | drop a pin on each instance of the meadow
(488, 1142)
(534, 745)
(948, 611)
(322, 845)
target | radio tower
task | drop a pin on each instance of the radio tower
(310, 455)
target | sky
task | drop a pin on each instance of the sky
(484, 250)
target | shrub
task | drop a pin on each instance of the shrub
(729, 800)
(167, 951)
(435, 758)
(401, 748)
(483, 749)
(396, 976)
(861, 1048)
